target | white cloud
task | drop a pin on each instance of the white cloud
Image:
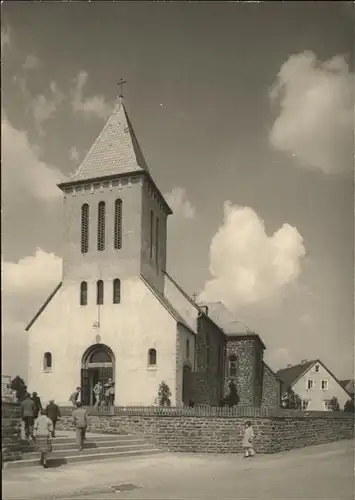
(316, 120)
(5, 39)
(26, 285)
(74, 154)
(247, 265)
(31, 62)
(45, 107)
(179, 203)
(90, 106)
(23, 173)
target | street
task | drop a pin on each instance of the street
(323, 472)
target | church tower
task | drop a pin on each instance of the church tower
(115, 216)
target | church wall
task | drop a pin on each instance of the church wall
(150, 269)
(130, 329)
(184, 356)
(248, 369)
(210, 349)
(109, 262)
(271, 389)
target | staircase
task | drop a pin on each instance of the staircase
(96, 447)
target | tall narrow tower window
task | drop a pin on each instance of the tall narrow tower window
(100, 292)
(83, 293)
(151, 234)
(116, 291)
(101, 226)
(85, 228)
(118, 225)
(157, 242)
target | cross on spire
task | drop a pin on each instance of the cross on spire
(194, 296)
(120, 87)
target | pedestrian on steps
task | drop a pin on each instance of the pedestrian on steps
(43, 435)
(38, 405)
(74, 397)
(28, 410)
(53, 413)
(248, 439)
(80, 419)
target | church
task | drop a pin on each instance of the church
(117, 313)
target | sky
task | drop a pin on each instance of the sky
(244, 112)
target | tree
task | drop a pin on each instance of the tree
(291, 401)
(334, 404)
(18, 385)
(349, 406)
(164, 394)
(232, 398)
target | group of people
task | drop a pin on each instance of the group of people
(104, 394)
(39, 423)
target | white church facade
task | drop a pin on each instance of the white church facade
(116, 314)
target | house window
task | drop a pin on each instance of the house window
(310, 384)
(47, 361)
(118, 225)
(101, 226)
(151, 232)
(304, 404)
(232, 366)
(100, 292)
(316, 369)
(83, 293)
(187, 348)
(157, 242)
(116, 291)
(324, 385)
(85, 228)
(152, 357)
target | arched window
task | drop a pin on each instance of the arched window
(100, 355)
(208, 350)
(118, 225)
(116, 291)
(101, 226)
(152, 357)
(47, 361)
(85, 228)
(151, 233)
(232, 366)
(100, 292)
(157, 242)
(83, 293)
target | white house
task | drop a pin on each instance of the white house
(314, 383)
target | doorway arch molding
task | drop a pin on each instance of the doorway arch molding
(107, 356)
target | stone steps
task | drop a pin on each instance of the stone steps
(95, 448)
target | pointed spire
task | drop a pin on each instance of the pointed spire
(115, 151)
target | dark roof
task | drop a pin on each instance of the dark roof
(290, 375)
(348, 385)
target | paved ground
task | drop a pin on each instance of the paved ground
(324, 472)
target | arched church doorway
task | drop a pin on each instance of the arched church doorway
(98, 365)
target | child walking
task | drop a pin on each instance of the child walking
(248, 438)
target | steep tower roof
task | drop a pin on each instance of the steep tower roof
(115, 152)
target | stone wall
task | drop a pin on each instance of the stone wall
(209, 363)
(271, 388)
(216, 430)
(249, 360)
(10, 431)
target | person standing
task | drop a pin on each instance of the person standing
(98, 394)
(248, 439)
(75, 396)
(37, 401)
(53, 413)
(28, 410)
(43, 434)
(80, 419)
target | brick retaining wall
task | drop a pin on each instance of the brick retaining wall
(208, 431)
(10, 431)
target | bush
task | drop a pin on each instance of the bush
(232, 398)
(164, 394)
(349, 406)
(18, 385)
(334, 404)
(292, 401)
